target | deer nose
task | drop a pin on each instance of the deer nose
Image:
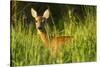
(39, 27)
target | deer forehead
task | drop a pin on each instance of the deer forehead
(40, 19)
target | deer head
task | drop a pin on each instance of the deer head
(40, 20)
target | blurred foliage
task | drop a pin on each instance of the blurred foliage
(24, 9)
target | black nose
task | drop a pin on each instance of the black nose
(40, 27)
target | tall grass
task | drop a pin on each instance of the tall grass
(28, 49)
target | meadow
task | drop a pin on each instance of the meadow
(28, 49)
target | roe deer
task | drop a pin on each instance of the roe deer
(55, 42)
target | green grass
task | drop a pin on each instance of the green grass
(28, 49)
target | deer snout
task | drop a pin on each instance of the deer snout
(39, 27)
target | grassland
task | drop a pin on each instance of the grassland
(28, 49)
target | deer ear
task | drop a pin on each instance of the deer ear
(34, 13)
(46, 14)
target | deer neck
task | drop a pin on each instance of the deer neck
(44, 37)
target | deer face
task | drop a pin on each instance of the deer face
(40, 20)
